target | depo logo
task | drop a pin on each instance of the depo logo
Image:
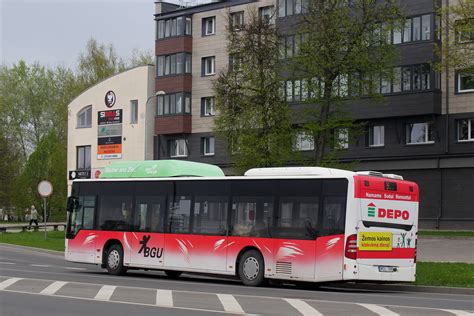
(387, 213)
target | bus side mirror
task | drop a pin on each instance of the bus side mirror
(71, 203)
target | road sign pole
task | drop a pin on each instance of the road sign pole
(44, 217)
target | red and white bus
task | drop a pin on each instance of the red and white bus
(298, 223)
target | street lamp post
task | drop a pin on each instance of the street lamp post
(158, 93)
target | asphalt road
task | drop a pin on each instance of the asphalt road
(39, 283)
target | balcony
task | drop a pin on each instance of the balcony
(173, 124)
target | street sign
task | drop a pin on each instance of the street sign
(45, 188)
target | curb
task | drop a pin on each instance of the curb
(405, 288)
(47, 251)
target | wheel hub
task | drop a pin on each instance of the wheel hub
(113, 259)
(251, 268)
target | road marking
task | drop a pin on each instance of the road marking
(230, 304)
(8, 282)
(164, 298)
(105, 293)
(74, 268)
(53, 288)
(303, 307)
(457, 312)
(40, 265)
(7, 262)
(379, 310)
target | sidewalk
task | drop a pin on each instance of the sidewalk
(445, 249)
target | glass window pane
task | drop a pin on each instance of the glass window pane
(173, 64)
(397, 34)
(187, 103)
(289, 7)
(168, 28)
(161, 29)
(173, 103)
(180, 26)
(407, 31)
(289, 91)
(397, 87)
(188, 26)
(210, 215)
(289, 46)
(416, 28)
(466, 81)
(416, 78)
(161, 65)
(463, 130)
(149, 214)
(167, 104)
(80, 157)
(426, 27)
(406, 79)
(188, 63)
(334, 211)
(281, 8)
(252, 216)
(159, 100)
(115, 212)
(179, 211)
(179, 102)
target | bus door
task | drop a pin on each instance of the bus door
(330, 240)
(146, 243)
(296, 229)
(197, 226)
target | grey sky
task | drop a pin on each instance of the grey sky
(54, 32)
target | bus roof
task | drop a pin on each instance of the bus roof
(298, 171)
(159, 169)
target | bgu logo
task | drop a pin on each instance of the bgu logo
(152, 252)
(386, 213)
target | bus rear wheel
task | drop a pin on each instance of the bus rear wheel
(251, 268)
(173, 274)
(114, 260)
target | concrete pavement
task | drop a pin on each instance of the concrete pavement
(446, 249)
(35, 283)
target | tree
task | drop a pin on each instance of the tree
(140, 58)
(9, 169)
(344, 52)
(97, 63)
(456, 50)
(252, 115)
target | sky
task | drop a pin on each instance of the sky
(55, 32)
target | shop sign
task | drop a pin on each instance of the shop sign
(110, 117)
(79, 174)
(375, 241)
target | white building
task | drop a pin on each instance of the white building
(111, 121)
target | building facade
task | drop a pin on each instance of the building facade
(423, 129)
(111, 121)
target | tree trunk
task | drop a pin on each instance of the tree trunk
(324, 114)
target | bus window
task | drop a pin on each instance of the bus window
(149, 214)
(179, 214)
(210, 215)
(252, 216)
(334, 211)
(298, 218)
(88, 203)
(115, 213)
(82, 216)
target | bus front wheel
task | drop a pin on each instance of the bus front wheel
(252, 268)
(114, 260)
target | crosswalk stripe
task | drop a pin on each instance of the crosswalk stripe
(74, 268)
(8, 282)
(164, 298)
(40, 265)
(303, 307)
(53, 288)
(230, 304)
(379, 310)
(7, 263)
(105, 292)
(458, 312)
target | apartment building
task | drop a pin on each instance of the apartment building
(423, 129)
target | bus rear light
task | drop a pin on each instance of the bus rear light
(351, 247)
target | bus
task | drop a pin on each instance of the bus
(298, 224)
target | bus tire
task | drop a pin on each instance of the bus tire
(114, 260)
(251, 268)
(172, 274)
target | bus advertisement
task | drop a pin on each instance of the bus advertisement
(307, 224)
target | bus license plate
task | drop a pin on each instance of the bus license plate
(387, 269)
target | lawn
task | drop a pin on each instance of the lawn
(445, 274)
(55, 240)
(446, 233)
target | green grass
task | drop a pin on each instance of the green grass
(55, 240)
(446, 233)
(445, 274)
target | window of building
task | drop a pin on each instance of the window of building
(291, 7)
(83, 157)
(178, 148)
(407, 31)
(173, 27)
(208, 146)
(341, 138)
(426, 27)
(173, 64)
(237, 20)
(209, 65)
(396, 81)
(464, 30)
(289, 91)
(209, 26)
(420, 133)
(397, 34)
(465, 81)
(173, 103)
(376, 136)
(466, 130)
(417, 28)
(207, 106)
(133, 111)
(84, 117)
(406, 79)
(304, 142)
(266, 14)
